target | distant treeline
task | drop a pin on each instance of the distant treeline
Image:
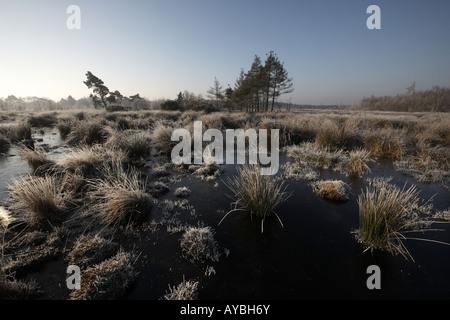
(435, 100)
(13, 103)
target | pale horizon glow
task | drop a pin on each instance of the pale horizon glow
(159, 48)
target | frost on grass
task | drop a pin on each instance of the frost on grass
(13, 289)
(296, 171)
(182, 192)
(358, 162)
(332, 189)
(120, 197)
(198, 244)
(186, 290)
(387, 212)
(109, 279)
(423, 169)
(443, 214)
(90, 250)
(38, 198)
(310, 154)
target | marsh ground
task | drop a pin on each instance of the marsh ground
(315, 255)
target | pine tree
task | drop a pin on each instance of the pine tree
(216, 92)
(100, 90)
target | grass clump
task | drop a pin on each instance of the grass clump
(90, 250)
(162, 135)
(198, 244)
(182, 192)
(14, 289)
(357, 165)
(386, 213)
(87, 132)
(332, 189)
(135, 145)
(65, 126)
(4, 144)
(257, 194)
(385, 143)
(87, 161)
(109, 279)
(120, 196)
(310, 154)
(18, 132)
(38, 198)
(186, 290)
(43, 120)
(37, 159)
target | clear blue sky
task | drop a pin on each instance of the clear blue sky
(159, 48)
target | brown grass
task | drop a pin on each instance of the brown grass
(38, 198)
(109, 279)
(332, 189)
(120, 196)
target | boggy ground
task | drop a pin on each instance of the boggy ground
(106, 197)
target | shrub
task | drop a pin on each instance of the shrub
(170, 105)
(203, 106)
(256, 194)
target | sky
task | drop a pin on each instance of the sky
(158, 48)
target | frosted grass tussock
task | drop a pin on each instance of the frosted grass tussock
(198, 244)
(256, 194)
(358, 163)
(38, 198)
(332, 189)
(186, 290)
(120, 197)
(387, 213)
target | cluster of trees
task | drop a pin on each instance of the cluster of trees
(256, 90)
(435, 100)
(102, 97)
